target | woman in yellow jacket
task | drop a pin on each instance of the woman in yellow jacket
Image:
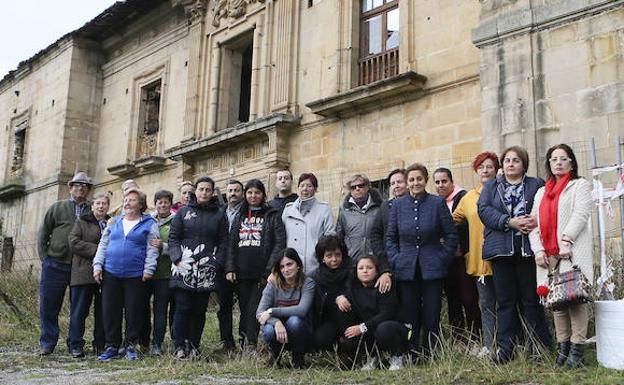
(486, 166)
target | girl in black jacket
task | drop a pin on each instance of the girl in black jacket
(372, 318)
(256, 240)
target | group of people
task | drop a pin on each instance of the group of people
(370, 284)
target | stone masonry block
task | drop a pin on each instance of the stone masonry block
(601, 100)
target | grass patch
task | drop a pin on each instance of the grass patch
(19, 362)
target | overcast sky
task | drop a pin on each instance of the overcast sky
(28, 26)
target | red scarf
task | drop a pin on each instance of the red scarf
(548, 210)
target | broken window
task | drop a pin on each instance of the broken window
(19, 143)
(149, 123)
(379, 34)
(236, 81)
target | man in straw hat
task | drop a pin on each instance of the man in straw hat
(56, 256)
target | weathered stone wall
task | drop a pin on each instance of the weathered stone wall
(551, 72)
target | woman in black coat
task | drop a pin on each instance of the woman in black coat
(198, 242)
(257, 239)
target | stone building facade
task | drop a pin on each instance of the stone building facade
(162, 91)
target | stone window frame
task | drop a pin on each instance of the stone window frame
(160, 73)
(19, 124)
(385, 63)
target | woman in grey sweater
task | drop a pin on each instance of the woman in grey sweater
(284, 307)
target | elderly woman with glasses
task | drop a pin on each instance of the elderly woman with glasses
(563, 237)
(357, 216)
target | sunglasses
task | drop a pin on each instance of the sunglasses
(356, 186)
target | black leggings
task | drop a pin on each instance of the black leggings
(122, 296)
(389, 336)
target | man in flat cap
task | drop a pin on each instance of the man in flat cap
(56, 256)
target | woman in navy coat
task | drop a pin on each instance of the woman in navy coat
(420, 242)
(504, 208)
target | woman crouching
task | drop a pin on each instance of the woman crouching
(372, 315)
(284, 307)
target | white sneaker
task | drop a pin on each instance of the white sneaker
(484, 352)
(371, 363)
(396, 363)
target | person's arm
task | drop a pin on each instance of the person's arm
(279, 242)
(100, 254)
(459, 214)
(223, 240)
(176, 232)
(386, 310)
(328, 222)
(232, 255)
(491, 217)
(78, 246)
(377, 236)
(449, 232)
(582, 210)
(45, 231)
(151, 257)
(535, 236)
(267, 300)
(302, 308)
(392, 234)
(340, 227)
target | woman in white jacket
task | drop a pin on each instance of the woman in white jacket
(563, 208)
(306, 220)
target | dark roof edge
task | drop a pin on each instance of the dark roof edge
(99, 28)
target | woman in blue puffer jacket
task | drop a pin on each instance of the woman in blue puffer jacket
(504, 207)
(420, 243)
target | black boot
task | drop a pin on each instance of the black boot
(575, 358)
(297, 361)
(563, 349)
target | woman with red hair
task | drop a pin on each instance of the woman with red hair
(486, 166)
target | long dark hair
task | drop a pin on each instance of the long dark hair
(280, 281)
(569, 153)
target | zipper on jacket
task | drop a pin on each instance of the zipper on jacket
(510, 216)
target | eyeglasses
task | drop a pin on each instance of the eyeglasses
(356, 186)
(561, 159)
(83, 185)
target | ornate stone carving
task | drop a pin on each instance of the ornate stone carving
(195, 10)
(230, 8)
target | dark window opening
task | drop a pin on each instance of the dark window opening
(235, 82)
(383, 186)
(245, 85)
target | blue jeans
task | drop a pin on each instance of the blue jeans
(55, 278)
(81, 297)
(298, 336)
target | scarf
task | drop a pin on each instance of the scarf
(548, 213)
(334, 277)
(513, 198)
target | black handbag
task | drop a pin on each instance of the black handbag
(567, 289)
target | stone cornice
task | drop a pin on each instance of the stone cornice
(381, 94)
(523, 20)
(261, 127)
